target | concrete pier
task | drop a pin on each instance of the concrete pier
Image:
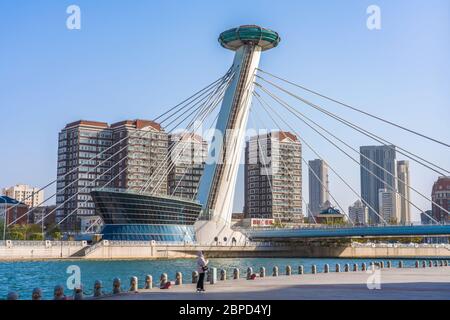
(398, 284)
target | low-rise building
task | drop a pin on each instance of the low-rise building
(330, 216)
(13, 211)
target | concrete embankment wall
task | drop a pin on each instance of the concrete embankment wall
(168, 252)
(40, 250)
(106, 251)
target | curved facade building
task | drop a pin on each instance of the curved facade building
(131, 216)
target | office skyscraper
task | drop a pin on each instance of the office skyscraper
(384, 157)
(403, 189)
(318, 185)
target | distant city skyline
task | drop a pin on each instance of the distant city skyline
(126, 65)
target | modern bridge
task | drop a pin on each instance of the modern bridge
(274, 97)
(293, 234)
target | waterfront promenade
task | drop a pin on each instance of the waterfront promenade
(396, 284)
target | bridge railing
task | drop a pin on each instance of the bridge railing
(400, 245)
(332, 227)
(40, 243)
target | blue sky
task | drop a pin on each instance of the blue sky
(134, 59)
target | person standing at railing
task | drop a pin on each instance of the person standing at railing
(202, 267)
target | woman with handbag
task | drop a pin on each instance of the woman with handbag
(202, 267)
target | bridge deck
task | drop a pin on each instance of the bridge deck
(431, 230)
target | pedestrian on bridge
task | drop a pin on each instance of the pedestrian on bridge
(202, 267)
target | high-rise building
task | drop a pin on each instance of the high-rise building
(358, 213)
(389, 206)
(79, 172)
(273, 177)
(384, 157)
(441, 195)
(187, 160)
(140, 156)
(30, 196)
(403, 190)
(84, 153)
(318, 185)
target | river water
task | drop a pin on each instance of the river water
(23, 276)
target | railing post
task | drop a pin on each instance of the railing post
(389, 264)
(288, 270)
(400, 264)
(194, 276)
(417, 264)
(213, 276)
(424, 264)
(78, 293)
(326, 268)
(133, 284)
(37, 294)
(275, 271)
(178, 279)
(363, 266)
(223, 275)
(58, 293)
(262, 272)
(301, 269)
(338, 268)
(381, 264)
(430, 263)
(355, 267)
(235, 273)
(163, 279)
(249, 273)
(116, 286)
(346, 267)
(12, 296)
(148, 282)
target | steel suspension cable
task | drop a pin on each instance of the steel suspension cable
(332, 168)
(357, 109)
(262, 102)
(204, 107)
(365, 132)
(295, 113)
(202, 104)
(205, 113)
(362, 155)
(75, 169)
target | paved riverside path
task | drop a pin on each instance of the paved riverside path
(403, 284)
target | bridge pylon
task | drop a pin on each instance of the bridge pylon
(218, 182)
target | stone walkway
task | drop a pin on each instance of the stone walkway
(404, 284)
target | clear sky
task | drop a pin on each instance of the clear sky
(134, 59)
